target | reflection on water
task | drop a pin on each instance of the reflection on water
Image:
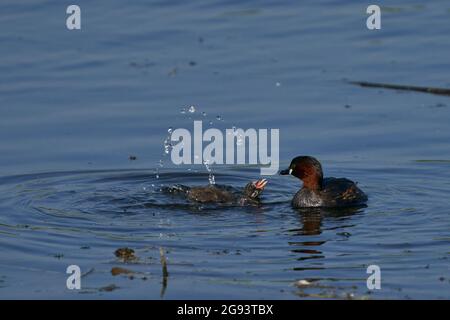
(311, 220)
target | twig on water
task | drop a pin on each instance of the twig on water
(439, 91)
(165, 273)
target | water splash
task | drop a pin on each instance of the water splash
(195, 112)
(167, 148)
(211, 178)
(167, 142)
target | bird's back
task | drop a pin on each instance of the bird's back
(335, 192)
(210, 193)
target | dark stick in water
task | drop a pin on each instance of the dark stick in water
(440, 91)
(164, 271)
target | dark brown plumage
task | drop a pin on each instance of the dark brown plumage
(220, 194)
(320, 192)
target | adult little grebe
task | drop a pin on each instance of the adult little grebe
(320, 192)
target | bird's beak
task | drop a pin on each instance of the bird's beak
(260, 184)
(285, 172)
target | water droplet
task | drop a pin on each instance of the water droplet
(167, 142)
(183, 110)
(191, 109)
(204, 113)
(167, 147)
(219, 118)
(211, 178)
(278, 84)
(239, 141)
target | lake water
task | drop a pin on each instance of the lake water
(75, 105)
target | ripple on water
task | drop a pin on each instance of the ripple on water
(85, 216)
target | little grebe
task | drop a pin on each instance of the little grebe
(322, 192)
(222, 194)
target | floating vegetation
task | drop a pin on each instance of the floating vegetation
(125, 254)
(108, 288)
(115, 271)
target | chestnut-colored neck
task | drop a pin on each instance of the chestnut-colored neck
(312, 182)
(312, 179)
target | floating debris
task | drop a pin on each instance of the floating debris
(163, 263)
(439, 91)
(91, 270)
(173, 72)
(115, 271)
(132, 158)
(165, 272)
(109, 288)
(303, 283)
(126, 254)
